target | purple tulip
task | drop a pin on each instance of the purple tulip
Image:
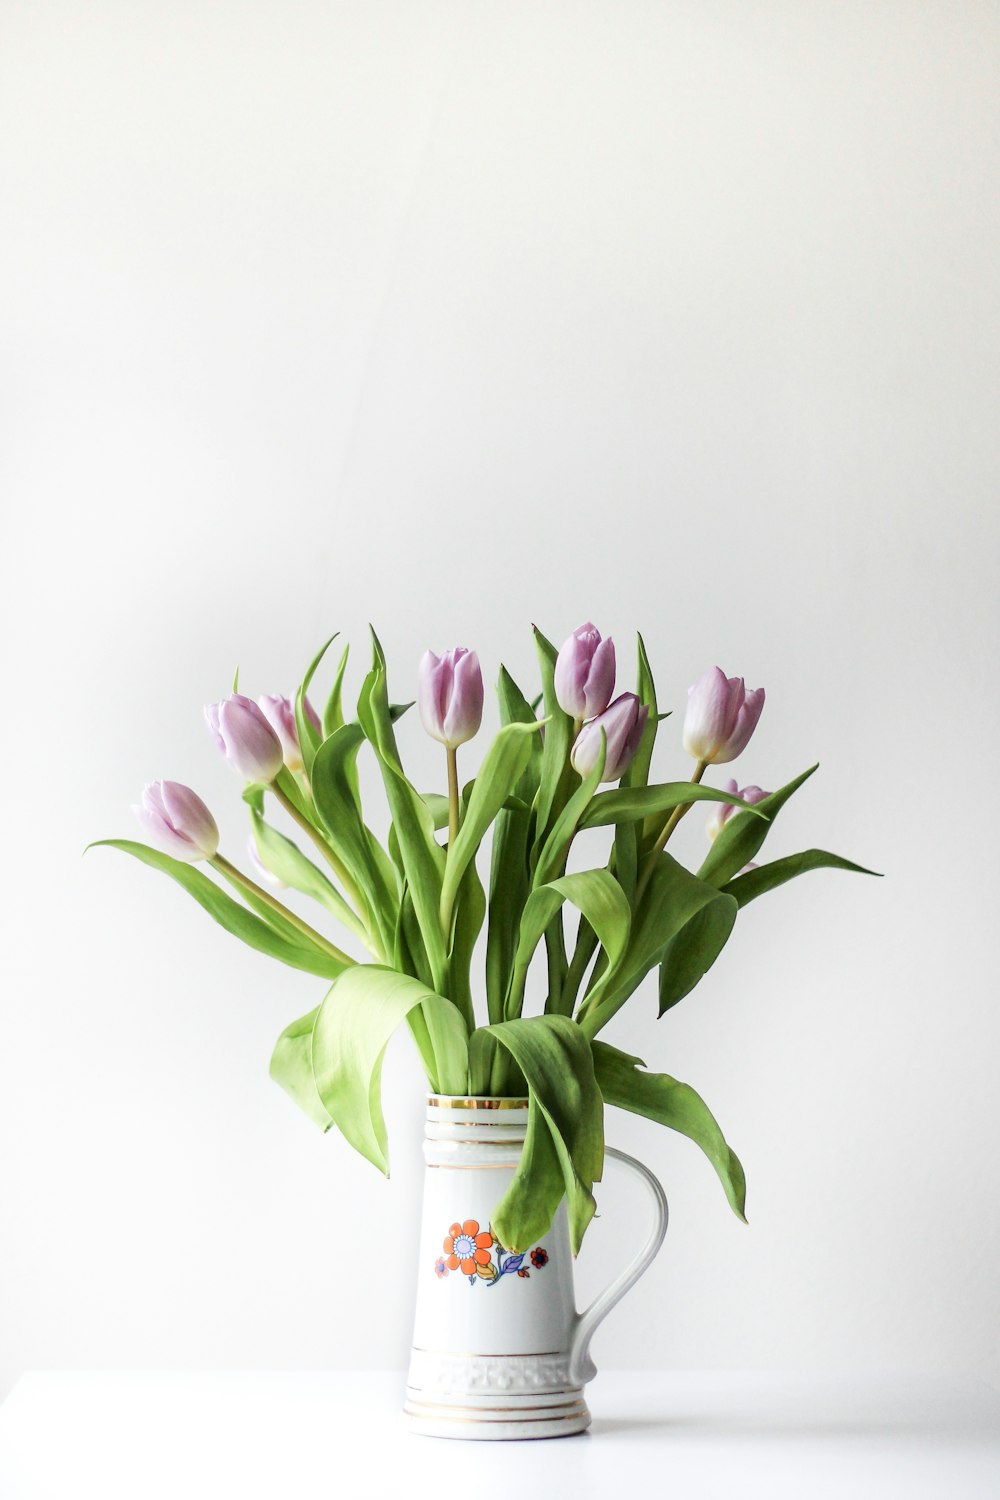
(178, 821)
(245, 737)
(280, 714)
(622, 723)
(721, 716)
(723, 811)
(450, 695)
(585, 674)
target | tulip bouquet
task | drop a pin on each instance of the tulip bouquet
(413, 906)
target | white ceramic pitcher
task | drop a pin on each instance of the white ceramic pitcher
(499, 1349)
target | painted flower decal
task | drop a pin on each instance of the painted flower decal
(466, 1248)
(469, 1249)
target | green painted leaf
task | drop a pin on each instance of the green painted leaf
(670, 900)
(351, 1033)
(309, 737)
(598, 897)
(502, 767)
(692, 952)
(564, 1143)
(230, 914)
(676, 1105)
(629, 804)
(741, 837)
(291, 1066)
(768, 877)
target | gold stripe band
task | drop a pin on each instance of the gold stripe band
(474, 1166)
(447, 1101)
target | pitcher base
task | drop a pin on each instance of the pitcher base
(497, 1415)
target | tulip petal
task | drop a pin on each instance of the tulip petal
(748, 715)
(601, 678)
(177, 820)
(465, 710)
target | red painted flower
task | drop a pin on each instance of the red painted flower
(539, 1258)
(439, 1266)
(465, 1247)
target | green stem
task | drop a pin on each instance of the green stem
(314, 937)
(366, 934)
(452, 795)
(665, 833)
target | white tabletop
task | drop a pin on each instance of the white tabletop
(146, 1436)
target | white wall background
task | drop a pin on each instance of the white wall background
(683, 316)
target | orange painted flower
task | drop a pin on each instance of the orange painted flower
(465, 1247)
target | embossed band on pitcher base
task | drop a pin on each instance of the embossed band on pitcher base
(493, 1396)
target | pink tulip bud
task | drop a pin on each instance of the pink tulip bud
(177, 820)
(723, 811)
(585, 673)
(280, 714)
(450, 695)
(622, 723)
(721, 716)
(245, 737)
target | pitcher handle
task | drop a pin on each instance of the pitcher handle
(581, 1366)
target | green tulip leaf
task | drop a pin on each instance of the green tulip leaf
(291, 1066)
(350, 1035)
(689, 955)
(502, 767)
(599, 899)
(286, 861)
(555, 774)
(676, 1105)
(423, 858)
(333, 713)
(629, 804)
(555, 849)
(438, 807)
(231, 915)
(672, 897)
(742, 835)
(334, 781)
(564, 1143)
(309, 736)
(758, 882)
(637, 774)
(510, 876)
